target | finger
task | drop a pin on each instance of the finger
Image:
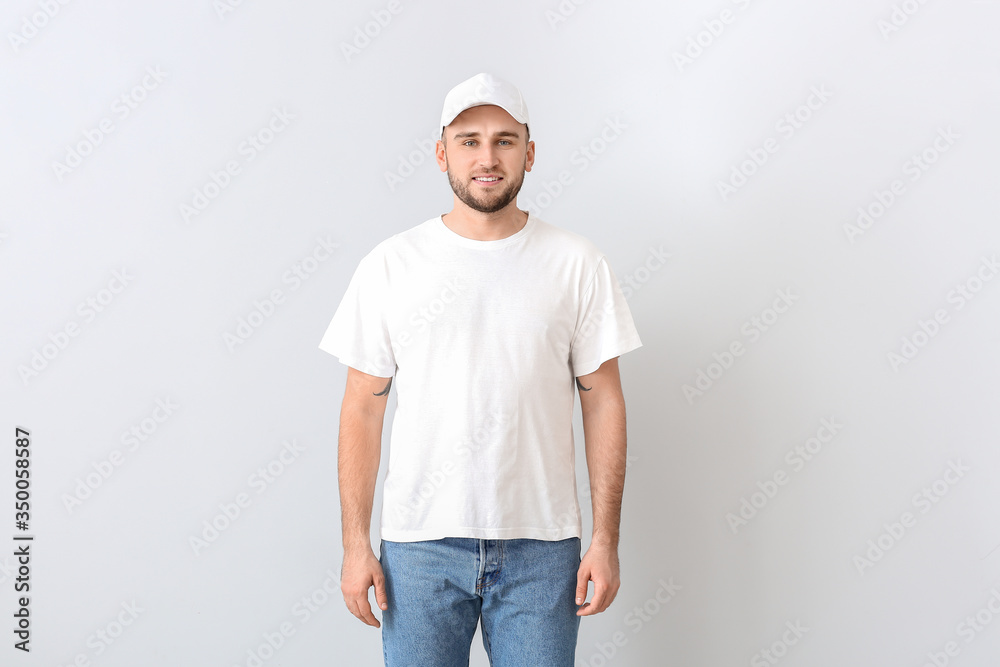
(612, 594)
(362, 610)
(366, 612)
(582, 578)
(597, 604)
(380, 595)
(353, 608)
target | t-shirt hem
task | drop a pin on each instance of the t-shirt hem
(591, 366)
(363, 366)
(550, 535)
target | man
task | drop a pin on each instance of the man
(488, 319)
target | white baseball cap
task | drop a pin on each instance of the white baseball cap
(479, 90)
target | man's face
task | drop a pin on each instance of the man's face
(485, 152)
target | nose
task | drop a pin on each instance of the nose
(489, 156)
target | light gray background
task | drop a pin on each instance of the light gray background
(682, 128)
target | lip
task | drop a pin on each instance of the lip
(488, 184)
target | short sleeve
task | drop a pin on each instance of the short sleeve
(357, 334)
(604, 327)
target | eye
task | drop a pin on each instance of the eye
(505, 141)
(468, 141)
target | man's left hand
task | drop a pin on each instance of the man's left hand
(600, 565)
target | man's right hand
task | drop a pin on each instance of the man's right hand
(361, 570)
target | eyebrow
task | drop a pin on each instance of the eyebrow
(501, 133)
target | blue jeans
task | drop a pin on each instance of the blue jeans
(523, 589)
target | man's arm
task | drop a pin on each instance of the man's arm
(358, 454)
(603, 406)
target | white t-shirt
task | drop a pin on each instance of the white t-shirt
(485, 340)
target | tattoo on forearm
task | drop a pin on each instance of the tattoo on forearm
(582, 388)
(386, 390)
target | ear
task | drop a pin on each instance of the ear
(441, 155)
(529, 156)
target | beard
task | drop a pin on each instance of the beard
(491, 200)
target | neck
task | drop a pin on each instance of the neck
(478, 226)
